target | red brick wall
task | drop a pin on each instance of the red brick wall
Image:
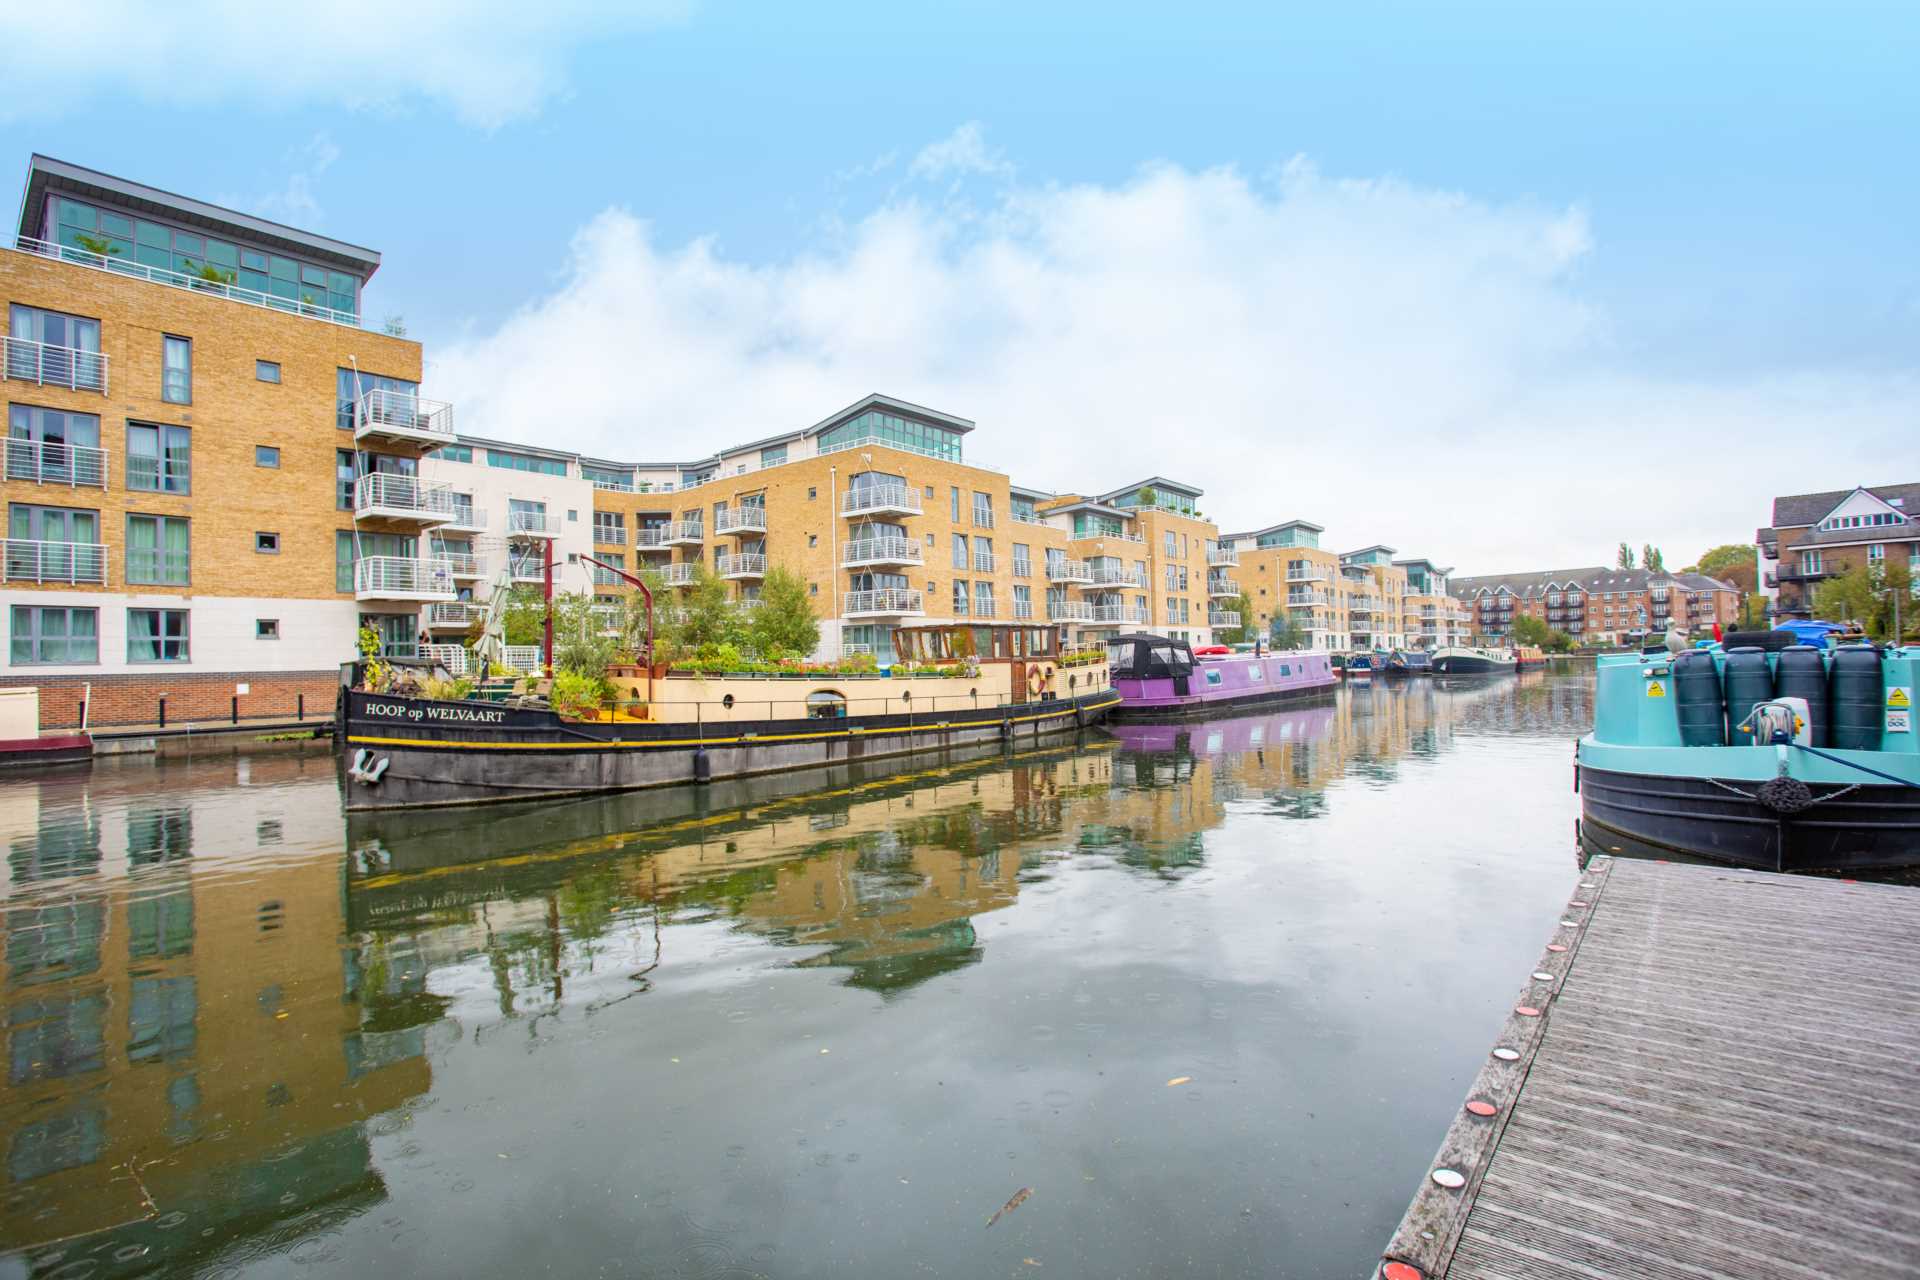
(135, 699)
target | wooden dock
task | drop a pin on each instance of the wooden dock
(1711, 1073)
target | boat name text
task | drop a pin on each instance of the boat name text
(401, 711)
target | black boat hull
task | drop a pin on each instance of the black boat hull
(413, 752)
(1468, 666)
(1131, 713)
(1872, 827)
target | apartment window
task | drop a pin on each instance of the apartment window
(176, 370)
(156, 635)
(955, 504)
(1022, 560)
(266, 455)
(1876, 553)
(53, 544)
(606, 577)
(159, 458)
(1168, 543)
(573, 515)
(983, 510)
(1810, 562)
(813, 539)
(812, 493)
(526, 516)
(266, 371)
(267, 543)
(983, 555)
(351, 385)
(960, 598)
(157, 550)
(44, 634)
(266, 628)
(52, 446)
(55, 349)
(773, 455)
(959, 550)
(609, 526)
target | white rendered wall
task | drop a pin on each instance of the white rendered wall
(315, 635)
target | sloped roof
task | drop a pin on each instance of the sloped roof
(1521, 584)
(1796, 510)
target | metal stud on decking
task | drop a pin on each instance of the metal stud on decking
(1719, 1083)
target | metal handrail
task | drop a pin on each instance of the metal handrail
(884, 600)
(51, 462)
(536, 523)
(47, 365)
(33, 560)
(404, 575)
(402, 411)
(610, 535)
(1023, 608)
(182, 280)
(1070, 611)
(888, 549)
(747, 518)
(983, 562)
(457, 613)
(462, 564)
(685, 531)
(1069, 571)
(745, 564)
(881, 497)
(1102, 576)
(380, 489)
(1223, 556)
(678, 575)
(464, 515)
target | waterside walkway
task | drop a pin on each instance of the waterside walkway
(1711, 1073)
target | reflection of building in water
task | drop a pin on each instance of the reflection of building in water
(169, 1018)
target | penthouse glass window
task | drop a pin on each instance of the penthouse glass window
(159, 458)
(526, 462)
(103, 237)
(773, 455)
(875, 427)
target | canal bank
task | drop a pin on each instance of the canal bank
(465, 1042)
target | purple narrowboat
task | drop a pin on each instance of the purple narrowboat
(1160, 678)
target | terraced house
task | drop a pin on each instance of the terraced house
(211, 468)
(1816, 536)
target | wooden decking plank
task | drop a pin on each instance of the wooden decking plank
(1722, 1084)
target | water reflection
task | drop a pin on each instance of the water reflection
(232, 1015)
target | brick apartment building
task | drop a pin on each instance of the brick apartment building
(1816, 536)
(1597, 605)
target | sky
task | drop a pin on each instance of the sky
(1501, 285)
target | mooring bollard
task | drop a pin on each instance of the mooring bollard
(300, 706)
(236, 708)
(163, 711)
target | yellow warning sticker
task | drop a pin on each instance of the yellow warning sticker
(1655, 689)
(1899, 696)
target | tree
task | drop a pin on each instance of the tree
(704, 619)
(1728, 562)
(1868, 596)
(1528, 629)
(783, 624)
(1651, 559)
(1625, 557)
(1284, 631)
(1246, 631)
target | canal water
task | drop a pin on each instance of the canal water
(1202, 1000)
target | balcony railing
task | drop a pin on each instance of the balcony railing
(1296, 598)
(1022, 568)
(1217, 586)
(750, 518)
(982, 608)
(685, 531)
(451, 656)
(380, 495)
(876, 499)
(527, 568)
(402, 578)
(982, 518)
(463, 564)
(890, 549)
(402, 416)
(886, 602)
(457, 614)
(744, 565)
(1223, 556)
(608, 616)
(657, 538)
(1222, 618)
(47, 462)
(1022, 609)
(679, 575)
(1021, 517)
(1070, 611)
(1109, 576)
(1119, 613)
(1069, 571)
(983, 562)
(610, 535)
(70, 562)
(522, 657)
(50, 366)
(112, 265)
(1306, 575)
(464, 515)
(532, 524)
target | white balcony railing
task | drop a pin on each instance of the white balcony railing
(1297, 598)
(50, 366)
(748, 518)
(1218, 586)
(527, 568)
(982, 518)
(1022, 609)
(1022, 568)
(451, 656)
(402, 578)
(1069, 571)
(679, 575)
(1106, 575)
(744, 565)
(1223, 556)
(464, 515)
(72, 562)
(47, 462)
(1222, 618)
(532, 524)
(1306, 575)
(463, 564)
(522, 657)
(888, 549)
(397, 497)
(304, 305)
(1110, 613)
(983, 562)
(456, 614)
(886, 602)
(402, 416)
(657, 538)
(610, 535)
(874, 499)
(680, 531)
(1070, 611)
(855, 650)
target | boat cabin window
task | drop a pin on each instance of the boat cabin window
(1149, 657)
(825, 704)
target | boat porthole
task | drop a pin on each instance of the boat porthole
(727, 702)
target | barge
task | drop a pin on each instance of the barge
(405, 751)
(1409, 662)
(1794, 759)
(1458, 660)
(1158, 677)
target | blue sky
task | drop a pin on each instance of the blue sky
(1727, 197)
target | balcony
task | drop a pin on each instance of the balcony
(679, 575)
(458, 615)
(1219, 587)
(50, 366)
(1225, 557)
(680, 533)
(983, 608)
(1022, 568)
(654, 538)
(401, 420)
(451, 656)
(527, 569)
(1306, 575)
(1296, 599)
(1022, 610)
(881, 499)
(748, 518)
(401, 578)
(609, 535)
(119, 266)
(462, 564)
(1804, 575)
(1111, 576)
(1069, 571)
(1070, 611)
(888, 550)
(78, 563)
(607, 616)
(744, 565)
(1223, 618)
(401, 500)
(532, 524)
(1110, 615)
(888, 602)
(465, 517)
(983, 562)
(46, 462)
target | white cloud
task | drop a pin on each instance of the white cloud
(295, 202)
(1402, 365)
(959, 154)
(489, 61)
